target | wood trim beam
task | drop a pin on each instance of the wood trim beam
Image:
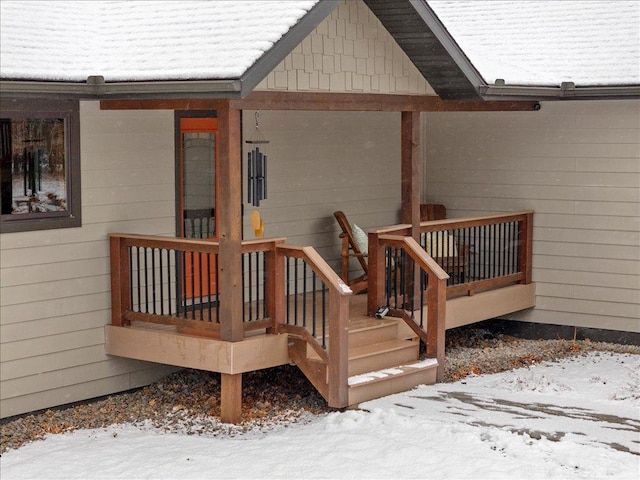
(354, 102)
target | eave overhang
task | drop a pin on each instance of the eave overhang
(96, 89)
(567, 91)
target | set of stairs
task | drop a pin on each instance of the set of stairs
(383, 359)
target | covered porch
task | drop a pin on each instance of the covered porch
(235, 305)
(296, 309)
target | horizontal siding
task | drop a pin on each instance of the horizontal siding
(315, 169)
(55, 284)
(72, 392)
(577, 165)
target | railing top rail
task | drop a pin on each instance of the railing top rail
(451, 223)
(318, 265)
(193, 244)
(173, 243)
(417, 253)
(261, 245)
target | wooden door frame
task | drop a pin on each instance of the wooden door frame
(179, 172)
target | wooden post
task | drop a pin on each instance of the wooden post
(231, 398)
(275, 287)
(230, 224)
(230, 256)
(436, 322)
(376, 276)
(120, 281)
(338, 350)
(410, 159)
(410, 214)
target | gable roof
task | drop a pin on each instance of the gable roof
(466, 49)
(227, 46)
(561, 45)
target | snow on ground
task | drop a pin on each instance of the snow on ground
(578, 418)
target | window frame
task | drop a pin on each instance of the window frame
(69, 111)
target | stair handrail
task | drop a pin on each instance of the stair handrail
(434, 335)
(336, 354)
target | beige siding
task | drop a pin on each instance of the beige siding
(322, 162)
(349, 52)
(54, 284)
(577, 164)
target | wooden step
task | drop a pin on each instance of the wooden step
(386, 354)
(365, 330)
(380, 383)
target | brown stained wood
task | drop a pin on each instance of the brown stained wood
(185, 244)
(119, 281)
(338, 347)
(360, 102)
(231, 398)
(478, 286)
(376, 277)
(304, 334)
(453, 223)
(436, 322)
(262, 245)
(276, 306)
(410, 170)
(258, 324)
(230, 223)
(317, 263)
(207, 328)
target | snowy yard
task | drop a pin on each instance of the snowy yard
(578, 418)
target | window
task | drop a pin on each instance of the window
(40, 165)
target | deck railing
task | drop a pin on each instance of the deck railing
(477, 254)
(402, 279)
(315, 310)
(176, 282)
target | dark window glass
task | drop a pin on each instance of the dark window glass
(40, 169)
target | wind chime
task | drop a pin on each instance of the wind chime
(256, 168)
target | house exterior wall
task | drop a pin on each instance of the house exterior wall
(315, 168)
(577, 164)
(350, 51)
(55, 284)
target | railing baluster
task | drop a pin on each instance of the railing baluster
(249, 277)
(304, 294)
(215, 259)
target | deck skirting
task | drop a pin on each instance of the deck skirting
(202, 353)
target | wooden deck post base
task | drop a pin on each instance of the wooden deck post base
(231, 398)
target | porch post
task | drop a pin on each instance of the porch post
(229, 259)
(410, 146)
(410, 177)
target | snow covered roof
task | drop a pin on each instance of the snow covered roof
(547, 42)
(140, 40)
(210, 48)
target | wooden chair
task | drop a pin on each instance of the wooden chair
(350, 249)
(455, 265)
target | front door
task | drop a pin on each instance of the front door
(197, 203)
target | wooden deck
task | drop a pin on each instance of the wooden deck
(292, 307)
